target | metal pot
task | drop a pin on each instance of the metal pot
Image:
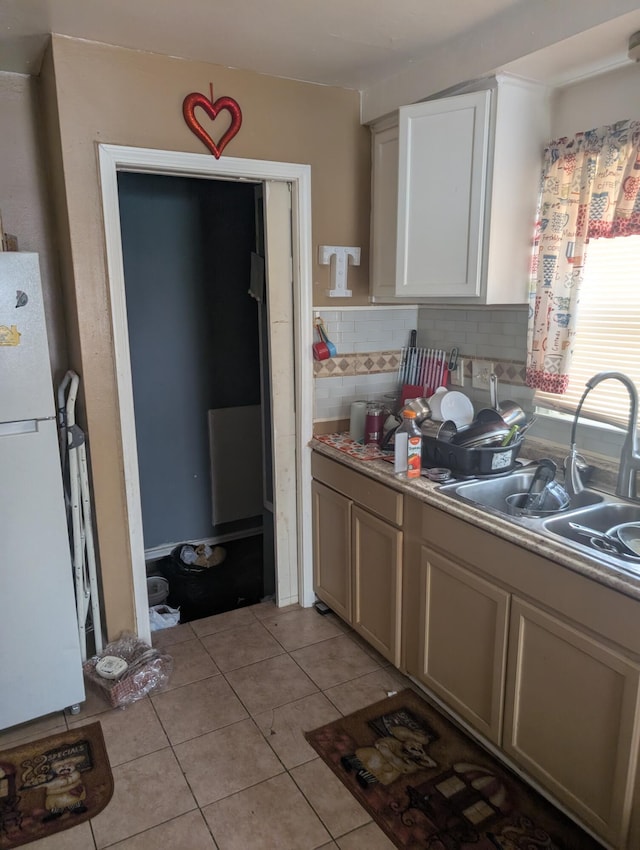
(444, 431)
(479, 435)
(510, 411)
(487, 416)
(628, 533)
(420, 407)
(556, 499)
(623, 539)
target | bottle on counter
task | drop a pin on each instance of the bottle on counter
(408, 447)
(373, 423)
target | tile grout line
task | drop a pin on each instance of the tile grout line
(191, 791)
(286, 770)
(343, 631)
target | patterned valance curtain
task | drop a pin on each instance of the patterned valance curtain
(590, 189)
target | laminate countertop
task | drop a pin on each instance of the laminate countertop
(624, 580)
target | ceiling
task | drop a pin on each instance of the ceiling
(348, 43)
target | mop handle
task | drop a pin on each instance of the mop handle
(71, 398)
(62, 403)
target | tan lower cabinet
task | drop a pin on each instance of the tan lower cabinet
(538, 659)
(376, 561)
(357, 542)
(332, 549)
(571, 709)
(463, 631)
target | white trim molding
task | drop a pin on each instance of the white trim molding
(114, 158)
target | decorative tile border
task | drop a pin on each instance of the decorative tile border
(507, 372)
(378, 362)
(344, 365)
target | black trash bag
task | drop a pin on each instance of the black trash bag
(201, 592)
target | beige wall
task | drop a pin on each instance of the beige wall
(24, 199)
(596, 102)
(125, 97)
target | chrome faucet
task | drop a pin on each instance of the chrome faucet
(629, 457)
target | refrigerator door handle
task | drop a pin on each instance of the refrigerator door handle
(24, 426)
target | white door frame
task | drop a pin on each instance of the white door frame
(293, 580)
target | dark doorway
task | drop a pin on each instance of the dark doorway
(195, 346)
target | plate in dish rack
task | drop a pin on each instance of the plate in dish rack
(457, 407)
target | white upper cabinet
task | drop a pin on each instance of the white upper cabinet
(384, 209)
(442, 174)
(466, 184)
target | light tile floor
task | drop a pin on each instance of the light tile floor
(218, 760)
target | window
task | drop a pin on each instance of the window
(608, 334)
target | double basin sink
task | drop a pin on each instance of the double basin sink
(590, 508)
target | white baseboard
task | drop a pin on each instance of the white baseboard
(158, 552)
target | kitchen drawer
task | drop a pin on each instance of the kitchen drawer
(379, 499)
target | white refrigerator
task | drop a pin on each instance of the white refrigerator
(40, 663)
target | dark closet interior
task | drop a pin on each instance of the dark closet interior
(199, 363)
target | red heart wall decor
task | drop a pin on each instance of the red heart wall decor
(212, 108)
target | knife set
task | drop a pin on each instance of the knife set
(422, 371)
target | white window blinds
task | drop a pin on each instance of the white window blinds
(608, 336)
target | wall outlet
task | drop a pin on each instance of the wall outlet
(457, 376)
(481, 373)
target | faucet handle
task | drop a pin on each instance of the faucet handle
(575, 467)
(576, 458)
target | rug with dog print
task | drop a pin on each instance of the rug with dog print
(430, 787)
(52, 784)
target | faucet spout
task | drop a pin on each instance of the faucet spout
(629, 457)
(573, 465)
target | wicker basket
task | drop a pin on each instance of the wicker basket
(148, 670)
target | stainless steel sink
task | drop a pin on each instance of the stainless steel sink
(493, 492)
(588, 508)
(599, 517)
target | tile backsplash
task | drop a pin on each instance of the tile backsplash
(379, 331)
(359, 330)
(480, 332)
(369, 341)
(484, 333)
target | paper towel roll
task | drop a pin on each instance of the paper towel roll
(356, 422)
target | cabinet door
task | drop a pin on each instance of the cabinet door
(377, 579)
(463, 634)
(384, 211)
(570, 717)
(442, 178)
(332, 549)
